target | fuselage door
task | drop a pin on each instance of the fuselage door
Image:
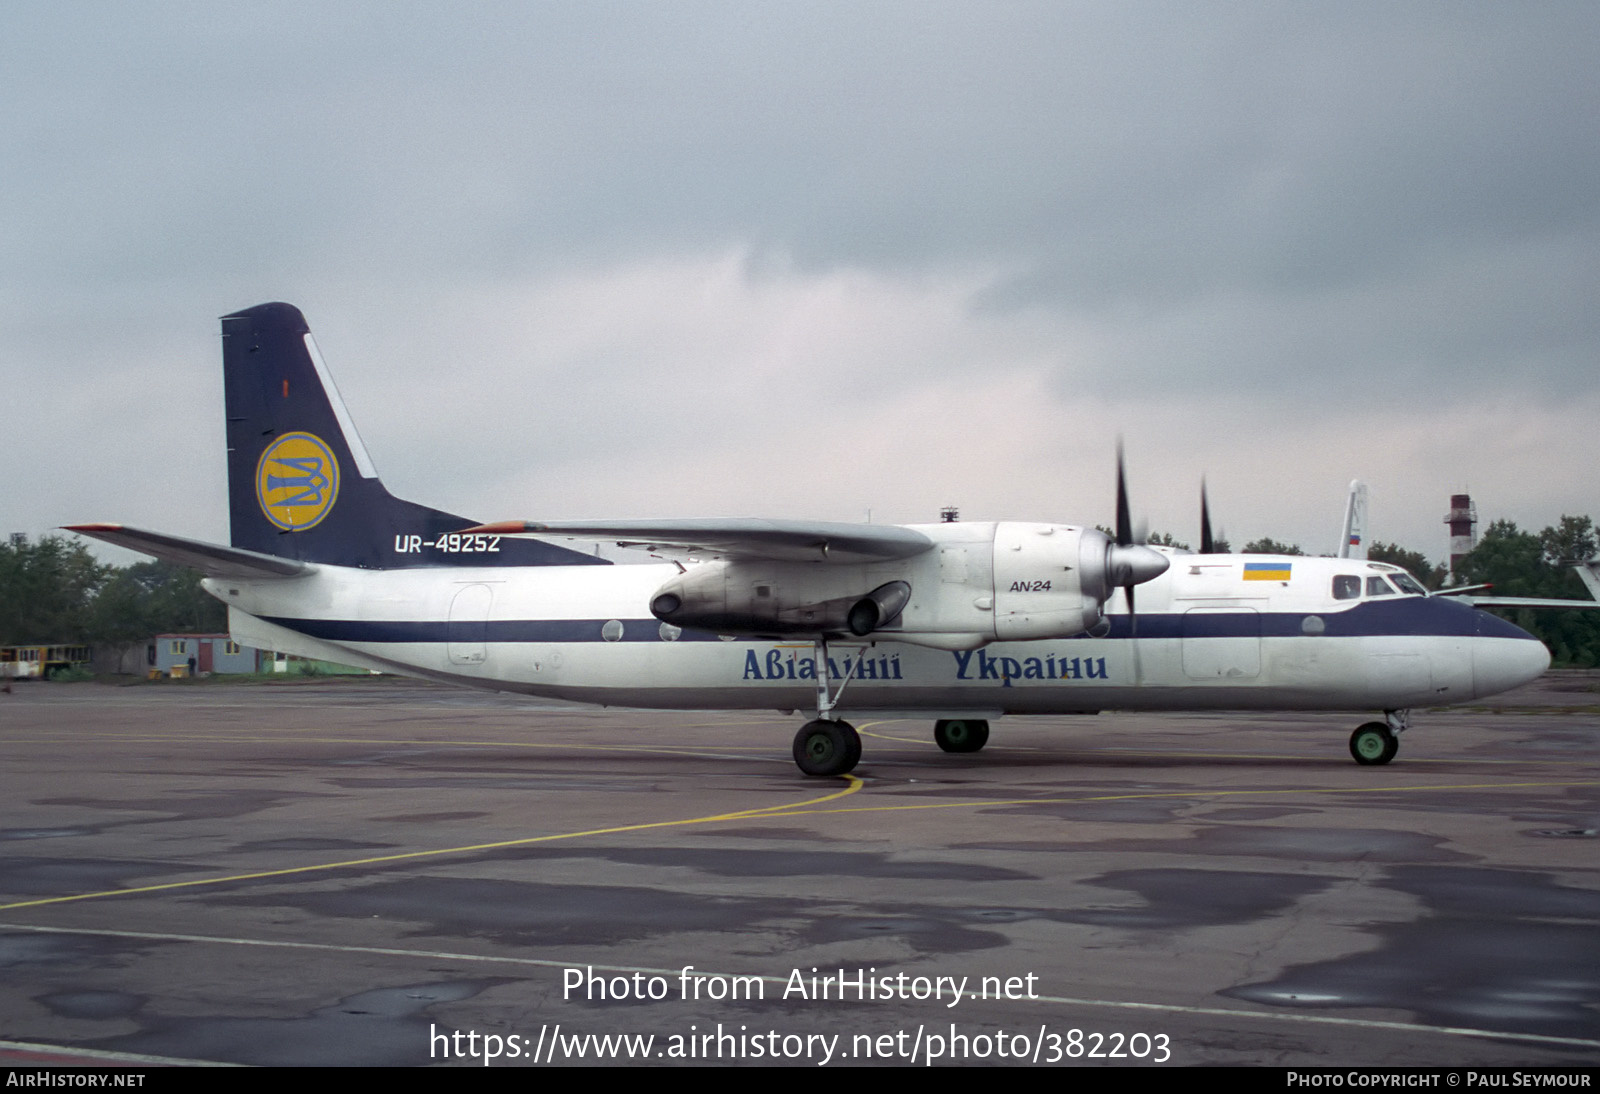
(467, 632)
(1221, 643)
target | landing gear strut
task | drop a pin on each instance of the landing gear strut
(961, 735)
(1377, 742)
(825, 745)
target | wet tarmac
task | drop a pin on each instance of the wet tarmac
(351, 872)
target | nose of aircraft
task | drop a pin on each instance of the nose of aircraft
(1505, 656)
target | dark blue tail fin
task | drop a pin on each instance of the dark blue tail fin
(300, 482)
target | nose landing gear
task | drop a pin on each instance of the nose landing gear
(1378, 742)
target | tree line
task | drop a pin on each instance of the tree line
(53, 591)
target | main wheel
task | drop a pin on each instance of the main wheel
(827, 748)
(1373, 743)
(961, 735)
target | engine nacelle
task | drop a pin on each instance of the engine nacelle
(777, 599)
(978, 583)
(1047, 580)
(1053, 580)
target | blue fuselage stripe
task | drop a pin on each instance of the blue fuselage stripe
(1412, 616)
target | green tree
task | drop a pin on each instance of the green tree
(153, 598)
(46, 590)
(1519, 563)
(1164, 539)
(1265, 546)
(1573, 540)
(1509, 559)
(1413, 562)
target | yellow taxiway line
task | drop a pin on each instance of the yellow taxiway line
(853, 784)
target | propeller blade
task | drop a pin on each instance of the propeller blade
(1124, 521)
(1133, 564)
(1208, 545)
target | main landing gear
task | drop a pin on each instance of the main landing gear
(961, 734)
(826, 746)
(1378, 742)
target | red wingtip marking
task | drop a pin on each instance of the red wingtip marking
(499, 528)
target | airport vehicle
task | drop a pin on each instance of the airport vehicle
(37, 662)
(963, 621)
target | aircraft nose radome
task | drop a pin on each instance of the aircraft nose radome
(1500, 664)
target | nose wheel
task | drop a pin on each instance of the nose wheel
(1374, 743)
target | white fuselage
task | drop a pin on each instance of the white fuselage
(1206, 637)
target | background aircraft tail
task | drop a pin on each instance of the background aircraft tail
(1589, 572)
(300, 482)
(1353, 539)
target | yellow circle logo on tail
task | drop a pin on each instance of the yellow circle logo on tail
(297, 481)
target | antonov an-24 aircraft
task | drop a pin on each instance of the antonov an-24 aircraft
(960, 621)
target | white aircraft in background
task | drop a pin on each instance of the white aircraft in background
(1353, 544)
(961, 621)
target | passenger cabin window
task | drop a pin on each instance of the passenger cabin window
(1376, 586)
(1346, 587)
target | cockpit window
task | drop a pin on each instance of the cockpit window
(1408, 584)
(1376, 586)
(1346, 587)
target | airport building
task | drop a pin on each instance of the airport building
(183, 654)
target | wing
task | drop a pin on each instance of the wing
(211, 559)
(739, 538)
(1527, 602)
(1586, 571)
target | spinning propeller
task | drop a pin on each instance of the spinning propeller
(1128, 562)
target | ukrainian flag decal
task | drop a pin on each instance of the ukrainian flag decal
(1267, 571)
(297, 481)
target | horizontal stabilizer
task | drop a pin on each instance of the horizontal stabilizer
(740, 538)
(211, 559)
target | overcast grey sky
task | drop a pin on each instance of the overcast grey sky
(805, 259)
